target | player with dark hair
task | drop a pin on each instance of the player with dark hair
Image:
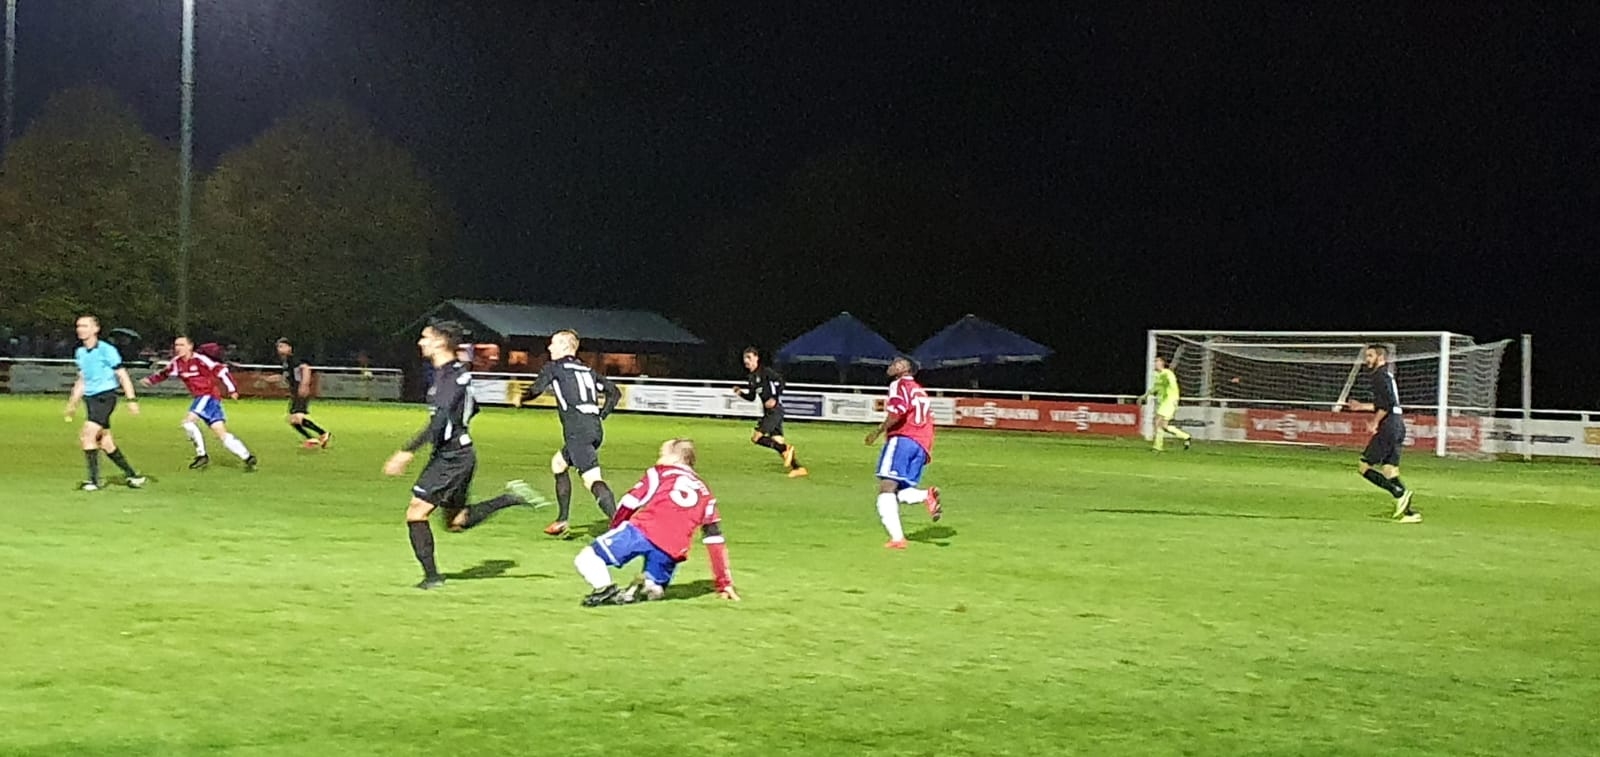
(908, 421)
(766, 386)
(584, 399)
(1388, 434)
(206, 379)
(657, 521)
(1164, 387)
(299, 378)
(445, 481)
(100, 374)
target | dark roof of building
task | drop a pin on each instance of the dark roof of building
(508, 320)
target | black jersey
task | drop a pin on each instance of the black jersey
(1385, 393)
(450, 409)
(764, 384)
(295, 372)
(583, 396)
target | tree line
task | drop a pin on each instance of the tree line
(319, 229)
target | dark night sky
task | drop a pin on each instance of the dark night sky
(1079, 175)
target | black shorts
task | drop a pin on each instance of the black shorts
(446, 479)
(1384, 448)
(771, 423)
(299, 405)
(100, 407)
(582, 450)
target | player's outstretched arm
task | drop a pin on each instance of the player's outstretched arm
(717, 549)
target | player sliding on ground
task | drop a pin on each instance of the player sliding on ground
(448, 476)
(766, 386)
(908, 421)
(579, 393)
(1388, 434)
(657, 521)
(205, 379)
(100, 373)
(1165, 390)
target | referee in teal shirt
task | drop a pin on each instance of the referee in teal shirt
(100, 374)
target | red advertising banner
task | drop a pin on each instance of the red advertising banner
(1059, 417)
(1349, 429)
(257, 383)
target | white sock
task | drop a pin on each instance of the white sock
(592, 568)
(889, 513)
(913, 496)
(194, 436)
(235, 446)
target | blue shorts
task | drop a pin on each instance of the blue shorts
(621, 544)
(902, 461)
(208, 409)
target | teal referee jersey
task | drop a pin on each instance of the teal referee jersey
(98, 367)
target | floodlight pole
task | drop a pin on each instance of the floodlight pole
(11, 80)
(185, 156)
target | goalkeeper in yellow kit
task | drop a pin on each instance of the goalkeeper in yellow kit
(1165, 390)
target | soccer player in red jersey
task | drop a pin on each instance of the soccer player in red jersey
(206, 379)
(656, 520)
(908, 421)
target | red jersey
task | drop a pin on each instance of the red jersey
(672, 503)
(909, 401)
(203, 376)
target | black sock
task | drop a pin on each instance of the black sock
(480, 512)
(563, 496)
(770, 443)
(311, 424)
(122, 462)
(796, 458)
(604, 498)
(91, 457)
(302, 430)
(1399, 488)
(1379, 481)
(422, 546)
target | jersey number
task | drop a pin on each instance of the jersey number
(587, 394)
(920, 409)
(684, 493)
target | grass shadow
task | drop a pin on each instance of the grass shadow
(935, 535)
(690, 590)
(1200, 514)
(491, 569)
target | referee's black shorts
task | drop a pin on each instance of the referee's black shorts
(447, 478)
(299, 405)
(100, 406)
(1384, 447)
(771, 423)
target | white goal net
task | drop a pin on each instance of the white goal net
(1282, 382)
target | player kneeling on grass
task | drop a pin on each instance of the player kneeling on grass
(656, 521)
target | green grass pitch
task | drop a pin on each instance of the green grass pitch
(1082, 596)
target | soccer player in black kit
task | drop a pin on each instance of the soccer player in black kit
(448, 475)
(297, 377)
(766, 386)
(580, 392)
(1388, 434)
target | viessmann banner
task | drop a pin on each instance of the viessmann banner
(1057, 417)
(1349, 429)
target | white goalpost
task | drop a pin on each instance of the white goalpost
(1290, 382)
